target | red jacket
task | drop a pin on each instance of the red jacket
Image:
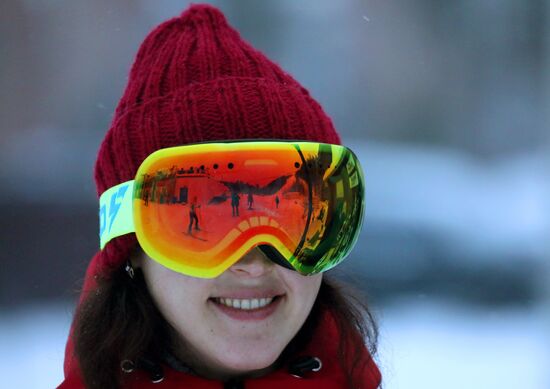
(323, 346)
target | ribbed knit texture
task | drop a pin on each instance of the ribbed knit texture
(195, 79)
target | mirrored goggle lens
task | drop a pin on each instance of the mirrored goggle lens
(199, 208)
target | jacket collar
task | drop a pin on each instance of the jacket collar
(302, 372)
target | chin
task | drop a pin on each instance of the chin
(251, 362)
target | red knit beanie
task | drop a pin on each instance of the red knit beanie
(195, 79)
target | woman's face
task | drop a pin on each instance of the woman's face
(237, 323)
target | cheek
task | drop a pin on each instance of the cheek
(312, 288)
(307, 286)
(304, 289)
(178, 297)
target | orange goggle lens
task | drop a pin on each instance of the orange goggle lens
(197, 209)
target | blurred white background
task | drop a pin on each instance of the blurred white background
(446, 104)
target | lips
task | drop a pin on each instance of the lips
(257, 314)
(248, 293)
(245, 304)
(257, 307)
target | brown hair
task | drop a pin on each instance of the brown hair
(120, 321)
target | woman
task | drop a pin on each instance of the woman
(241, 302)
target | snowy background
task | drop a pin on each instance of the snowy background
(424, 344)
(446, 104)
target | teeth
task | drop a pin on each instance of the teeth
(246, 304)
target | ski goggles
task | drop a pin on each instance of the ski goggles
(197, 209)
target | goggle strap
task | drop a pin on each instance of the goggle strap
(115, 212)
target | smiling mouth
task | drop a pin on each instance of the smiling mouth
(246, 304)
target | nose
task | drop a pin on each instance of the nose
(252, 264)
